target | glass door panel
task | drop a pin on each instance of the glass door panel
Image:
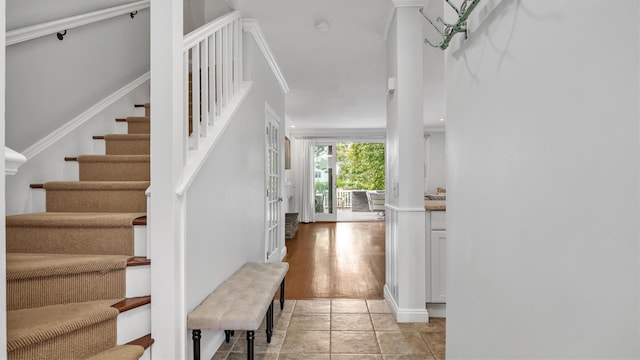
(324, 182)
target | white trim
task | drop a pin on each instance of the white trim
(52, 27)
(405, 315)
(197, 158)
(283, 253)
(403, 209)
(412, 316)
(363, 133)
(407, 3)
(12, 161)
(390, 299)
(428, 130)
(252, 26)
(199, 34)
(65, 129)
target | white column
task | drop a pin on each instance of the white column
(3, 259)
(165, 214)
(405, 162)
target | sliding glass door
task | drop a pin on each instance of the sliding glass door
(324, 165)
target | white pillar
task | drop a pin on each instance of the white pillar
(405, 285)
(165, 212)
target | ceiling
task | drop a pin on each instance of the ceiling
(337, 77)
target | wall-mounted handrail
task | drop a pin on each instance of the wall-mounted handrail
(53, 27)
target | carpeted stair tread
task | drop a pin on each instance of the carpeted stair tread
(114, 158)
(74, 219)
(114, 168)
(127, 137)
(96, 196)
(37, 327)
(22, 266)
(72, 233)
(120, 352)
(35, 280)
(96, 185)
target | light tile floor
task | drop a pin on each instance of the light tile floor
(340, 330)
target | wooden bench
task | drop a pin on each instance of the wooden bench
(240, 303)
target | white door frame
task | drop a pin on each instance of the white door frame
(273, 171)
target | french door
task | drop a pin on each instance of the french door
(274, 229)
(324, 170)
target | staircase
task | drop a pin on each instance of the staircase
(77, 275)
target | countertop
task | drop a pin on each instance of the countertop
(435, 205)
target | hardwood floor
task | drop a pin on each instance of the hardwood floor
(336, 260)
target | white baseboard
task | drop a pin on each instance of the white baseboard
(283, 253)
(405, 315)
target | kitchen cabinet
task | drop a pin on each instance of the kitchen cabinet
(436, 257)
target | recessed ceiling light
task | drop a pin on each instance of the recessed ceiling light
(293, 126)
(441, 119)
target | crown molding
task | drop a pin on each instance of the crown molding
(372, 134)
(252, 26)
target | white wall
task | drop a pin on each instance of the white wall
(433, 71)
(199, 12)
(50, 81)
(225, 203)
(435, 162)
(542, 207)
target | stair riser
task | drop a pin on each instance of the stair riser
(127, 147)
(77, 345)
(52, 290)
(134, 323)
(114, 171)
(139, 127)
(140, 241)
(138, 281)
(54, 240)
(96, 201)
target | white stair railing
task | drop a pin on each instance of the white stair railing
(212, 56)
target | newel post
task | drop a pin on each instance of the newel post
(166, 208)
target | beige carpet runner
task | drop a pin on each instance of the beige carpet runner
(66, 267)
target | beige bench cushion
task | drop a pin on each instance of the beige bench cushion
(240, 303)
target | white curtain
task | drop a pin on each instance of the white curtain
(302, 154)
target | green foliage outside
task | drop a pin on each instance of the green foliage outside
(361, 166)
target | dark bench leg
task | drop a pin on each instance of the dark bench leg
(270, 322)
(282, 293)
(250, 337)
(196, 335)
(227, 336)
